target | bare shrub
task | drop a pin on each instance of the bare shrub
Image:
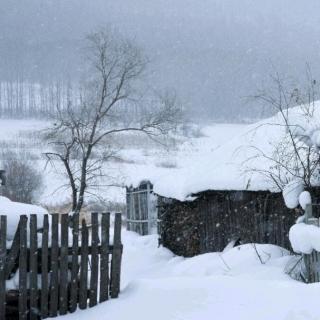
(23, 181)
(168, 164)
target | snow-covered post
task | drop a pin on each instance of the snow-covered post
(149, 209)
(309, 218)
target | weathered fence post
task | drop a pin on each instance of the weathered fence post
(75, 264)
(44, 268)
(104, 257)
(149, 217)
(54, 285)
(116, 258)
(94, 260)
(63, 281)
(83, 294)
(34, 312)
(23, 257)
(3, 253)
(311, 260)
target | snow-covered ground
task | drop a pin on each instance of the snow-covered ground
(231, 285)
(140, 158)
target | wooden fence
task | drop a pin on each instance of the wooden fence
(62, 267)
(142, 212)
(311, 268)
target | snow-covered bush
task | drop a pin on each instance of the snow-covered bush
(23, 180)
(294, 162)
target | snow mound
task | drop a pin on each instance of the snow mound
(305, 199)
(13, 211)
(291, 193)
(238, 260)
(304, 238)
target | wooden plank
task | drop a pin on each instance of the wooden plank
(23, 311)
(13, 254)
(3, 253)
(83, 294)
(94, 260)
(104, 257)
(44, 269)
(34, 309)
(54, 283)
(63, 281)
(116, 258)
(75, 264)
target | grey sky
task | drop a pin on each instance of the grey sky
(213, 52)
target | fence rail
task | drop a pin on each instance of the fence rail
(60, 268)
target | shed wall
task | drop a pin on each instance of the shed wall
(216, 218)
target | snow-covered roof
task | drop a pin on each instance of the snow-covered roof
(237, 164)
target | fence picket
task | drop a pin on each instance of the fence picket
(13, 255)
(75, 264)
(3, 252)
(34, 311)
(94, 260)
(54, 283)
(23, 311)
(44, 269)
(116, 258)
(104, 257)
(83, 294)
(63, 282)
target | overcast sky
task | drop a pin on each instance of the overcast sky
(213, 52)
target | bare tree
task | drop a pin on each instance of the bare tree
(82, 134)
(292, 157)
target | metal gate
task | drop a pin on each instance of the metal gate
(142, 212)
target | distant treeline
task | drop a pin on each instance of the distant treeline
(22, 99)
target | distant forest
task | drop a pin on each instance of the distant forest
(19, 99)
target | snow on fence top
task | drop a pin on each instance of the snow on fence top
(243, 162)
(13, 211)
(304, 238)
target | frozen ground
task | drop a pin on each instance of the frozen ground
(231, 286)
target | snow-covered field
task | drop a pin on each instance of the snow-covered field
(141, 158)
(233, 285)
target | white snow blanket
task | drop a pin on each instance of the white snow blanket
(13, 211)
(304, 238)
(233, 285)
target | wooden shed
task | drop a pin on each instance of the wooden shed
(218, 218)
